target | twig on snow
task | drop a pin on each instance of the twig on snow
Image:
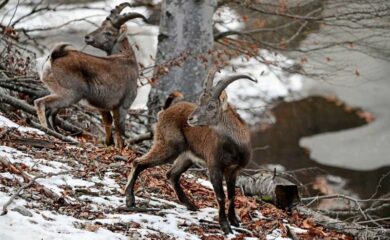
(29, 184)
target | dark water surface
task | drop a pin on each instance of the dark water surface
(279, 143)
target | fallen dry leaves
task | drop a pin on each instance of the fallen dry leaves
(258, 217)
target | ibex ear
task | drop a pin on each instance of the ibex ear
(224, 100)
(122, 33)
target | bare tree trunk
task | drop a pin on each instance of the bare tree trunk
(185, 28)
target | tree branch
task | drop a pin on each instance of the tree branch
(29, 184)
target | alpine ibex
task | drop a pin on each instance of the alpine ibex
(210, 132)
(107, 83)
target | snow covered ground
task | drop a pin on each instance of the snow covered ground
(92, 215)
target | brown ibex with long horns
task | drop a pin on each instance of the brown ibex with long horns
(211, 132)
(107, 83)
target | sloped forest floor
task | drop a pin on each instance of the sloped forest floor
(78, 195)
(70, 186)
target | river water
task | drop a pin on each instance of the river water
(316, 133)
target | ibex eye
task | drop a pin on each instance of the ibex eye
(108, 33)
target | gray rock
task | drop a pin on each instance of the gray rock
(22, 210)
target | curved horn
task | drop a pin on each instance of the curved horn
(208, 83)
(221, 85)
(117, 10)
(121, 19)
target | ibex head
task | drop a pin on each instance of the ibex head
(110, 32)
(213, 100)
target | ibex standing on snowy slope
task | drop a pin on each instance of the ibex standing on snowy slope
(211, 132)
(107, 83)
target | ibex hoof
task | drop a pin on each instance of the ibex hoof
(130, 201)
(234, 221)
(225, 226)
(192, 207)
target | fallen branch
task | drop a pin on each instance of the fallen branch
(374, 220)
(352, 212)
(12, 167)
(217, 225)
(30, 183)
(354, 229)
(34, 142)
(52, 133)
(23, 89)
(340, 196)
(17, 103)
(141, 138)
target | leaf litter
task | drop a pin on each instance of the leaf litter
(94, 204)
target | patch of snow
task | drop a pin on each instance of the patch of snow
(5, 122)
(16, 156)
(296, 229)
(108, 182)
(108, 201)
(227, 19)
(276, 235)
(169, 223)
(10, 176)
(15, 226)
(204, 183)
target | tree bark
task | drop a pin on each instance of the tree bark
(185, 29)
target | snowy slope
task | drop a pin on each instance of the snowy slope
(98, 212)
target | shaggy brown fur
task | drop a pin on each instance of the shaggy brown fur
(211, 133)
(107, 83)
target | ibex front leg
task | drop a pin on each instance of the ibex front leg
(158, 155)
(107, 122)
(216, 178)
(119, 122)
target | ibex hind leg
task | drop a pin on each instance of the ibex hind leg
(230, 177)
(119, 122)
(40, 107)
(216, 179)
(52, 103)
(51, 116)
(182, 163)
(156, 156)
(107, 122)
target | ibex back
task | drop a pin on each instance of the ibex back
(107, 83)
(211, 132)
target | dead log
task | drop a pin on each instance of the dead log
(33, 142)
(23, 89)
(270, 188)
(141, 138)
(356, 230)
(17, 103)
(52, 133)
